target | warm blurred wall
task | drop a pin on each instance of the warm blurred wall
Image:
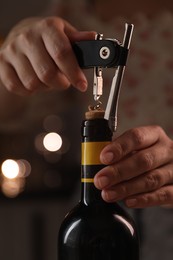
(18, 10)
(29, 228)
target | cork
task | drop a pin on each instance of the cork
(94, 114)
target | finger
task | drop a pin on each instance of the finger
(80, 35)
(132, 140)
(75, 35)
(147, 182)
(62, 81)
(10, 80)
(59, 48)
(133, 166)
(43, 66)
(25, 72)
(162, 196)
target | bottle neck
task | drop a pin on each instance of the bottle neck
(96, 135)
(90, 194)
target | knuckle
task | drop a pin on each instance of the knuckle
(152, 182)
(116, 174)
(120, 150)
(158, 175)
(124, 189)
(137, 136)
(62, 52)
(48, 22)
(62, 48)
(46, 74)
(10, 49)
(146, 160)
(32, 84)
(26, 38)
(164, 196)
(145, 199)
(11, 86)
(170, 175)
(159, 129)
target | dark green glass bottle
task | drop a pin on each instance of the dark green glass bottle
(94, 229)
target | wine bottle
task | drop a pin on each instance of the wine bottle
(95, 229)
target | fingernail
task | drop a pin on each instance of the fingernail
(82, 86)
(131, 202)
(103, 181)
(107, 157)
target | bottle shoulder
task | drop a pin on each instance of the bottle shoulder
(101, 208)
(99, 215)
(86, 227)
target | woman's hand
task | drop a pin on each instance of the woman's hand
(140, 168)
(37, 54)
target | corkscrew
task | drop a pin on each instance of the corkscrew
(105, 53)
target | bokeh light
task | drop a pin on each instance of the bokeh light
(24, 168)
(14, 173)
(10, 169)
(12, 187)
(52, 142)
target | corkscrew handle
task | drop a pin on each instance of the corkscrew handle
(106, 53)
(98, 54)
(112, 104)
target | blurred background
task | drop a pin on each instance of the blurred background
(39, 160)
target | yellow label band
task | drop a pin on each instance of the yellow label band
(88, 180)
(91, 152)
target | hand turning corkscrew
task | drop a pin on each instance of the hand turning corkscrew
(97, 221)
(105, 53)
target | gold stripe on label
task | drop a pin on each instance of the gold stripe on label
(88, 180)
(91, 152)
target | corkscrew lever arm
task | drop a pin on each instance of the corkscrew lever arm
(112, 104)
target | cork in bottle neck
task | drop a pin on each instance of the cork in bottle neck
(94, 114)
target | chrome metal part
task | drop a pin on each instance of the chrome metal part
(112, 104)
(98, 83)
(98, 79)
